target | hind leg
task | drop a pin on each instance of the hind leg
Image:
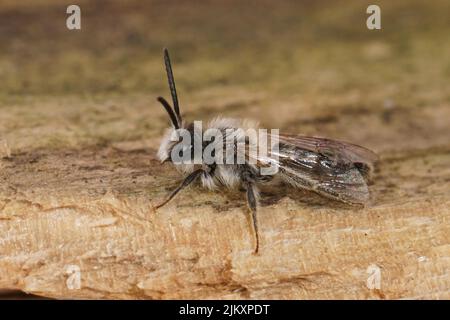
(252, 204)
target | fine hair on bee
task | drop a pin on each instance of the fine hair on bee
(334, 169)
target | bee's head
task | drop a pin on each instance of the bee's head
(175, 148)
(172, 135)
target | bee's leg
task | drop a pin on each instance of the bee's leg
(252, 203)
(187, 181)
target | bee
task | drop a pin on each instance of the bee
(334, 169)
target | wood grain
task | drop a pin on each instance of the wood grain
(79, 176)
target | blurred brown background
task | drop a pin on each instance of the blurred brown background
(260, 59)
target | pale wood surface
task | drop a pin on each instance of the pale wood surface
(79, 175)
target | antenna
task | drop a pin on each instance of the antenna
(173, 90)
(169, 110)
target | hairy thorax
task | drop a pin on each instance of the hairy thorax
(215, 174)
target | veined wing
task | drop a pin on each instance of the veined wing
(335, 169)
(338, 150)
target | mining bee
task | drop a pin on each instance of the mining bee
(334, 169)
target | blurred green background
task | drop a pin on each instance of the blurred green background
(269, 60)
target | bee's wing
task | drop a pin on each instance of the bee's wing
(341, 150)
(332, 168)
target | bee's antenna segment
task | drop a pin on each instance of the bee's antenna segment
(169, 110)
(171, 79)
